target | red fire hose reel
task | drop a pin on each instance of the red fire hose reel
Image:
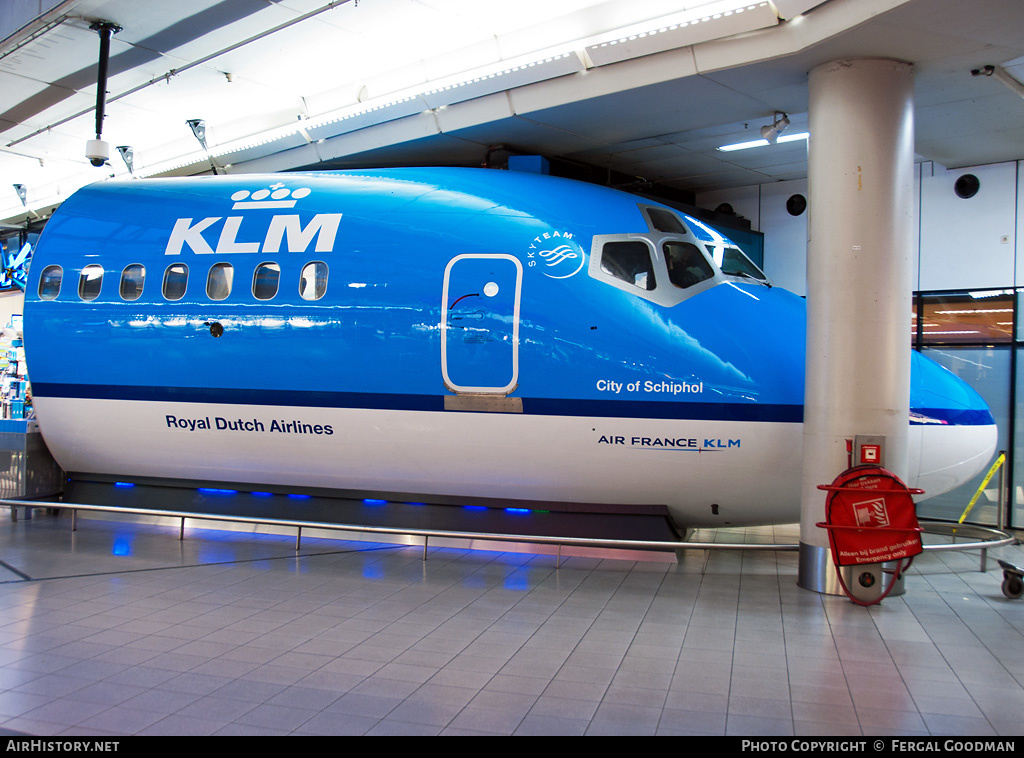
(870, 518)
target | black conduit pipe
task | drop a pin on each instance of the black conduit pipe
(106, 29)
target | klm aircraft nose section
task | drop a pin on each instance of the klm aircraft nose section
(940, 397)
(953, 433)
(749, 341)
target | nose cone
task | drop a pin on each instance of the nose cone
(953, 428)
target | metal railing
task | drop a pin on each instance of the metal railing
(984, 537)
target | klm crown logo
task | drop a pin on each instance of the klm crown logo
(261, 234)
(276, 196)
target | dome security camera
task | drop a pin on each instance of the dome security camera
(97, 151)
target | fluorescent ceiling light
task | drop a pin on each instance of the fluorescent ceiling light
(974, 311)
(763, 142)
(979, 294)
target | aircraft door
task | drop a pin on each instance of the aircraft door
(480, 323)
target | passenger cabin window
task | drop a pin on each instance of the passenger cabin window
(266, 281)
(49, 282)
(665, 221)
(313, 281)
(218, 283)
(132, 279)
(687, 266)
(90, 282)
(175, 281)
(629, 261)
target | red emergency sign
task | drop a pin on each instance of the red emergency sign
(870, 517)
(871, 453)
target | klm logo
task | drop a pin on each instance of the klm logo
(275, 197)
(209, 235)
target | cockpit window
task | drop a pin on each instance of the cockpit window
(677, 258)
(726, 253)
(629, 261)
(735, 263)
(665, 221)
(687, 266)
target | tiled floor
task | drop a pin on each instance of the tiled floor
(121, 629)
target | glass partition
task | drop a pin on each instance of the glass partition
(1016, 515)
(987, 370)
(966, 318)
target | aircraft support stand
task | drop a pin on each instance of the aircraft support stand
(859, 281)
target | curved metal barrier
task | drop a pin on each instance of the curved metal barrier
(984, 537)
(426, 534)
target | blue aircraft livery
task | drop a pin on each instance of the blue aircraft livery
(459, 332)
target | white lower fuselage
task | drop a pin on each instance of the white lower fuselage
(709, 473)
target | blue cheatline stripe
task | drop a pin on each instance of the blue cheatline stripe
(951, 417)
(283, 398)
(401, 402)
(754, 412)
(762, 412)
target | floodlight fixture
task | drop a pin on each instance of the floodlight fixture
(198, 127)
(772, 131)
(1002, 75)
(128, 156)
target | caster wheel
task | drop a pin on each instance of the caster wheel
(1013, 586)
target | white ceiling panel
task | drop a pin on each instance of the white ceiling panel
(50, 57)
(231, 109)
(432, 150)
(793, 8)
(541, 24)
(680, 30)
(523, 133)
(655, 114)
(723, 179)
(17, 88)
(773, 159)
(136, 26)
(181, 39)
(308, 57)
(363, 118)
(482, 110)
(684, 104)
(303, 6)
(67, 106)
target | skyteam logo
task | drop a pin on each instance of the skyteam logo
(260, 235)
(556, 255)
(279, 197)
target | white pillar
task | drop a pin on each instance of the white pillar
(859, 281)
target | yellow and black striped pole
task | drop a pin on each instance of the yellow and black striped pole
(984, 482)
